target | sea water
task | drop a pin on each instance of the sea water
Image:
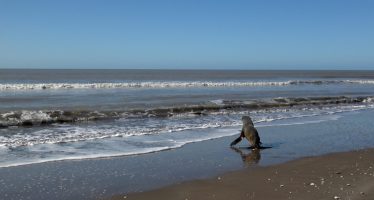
(48, 115)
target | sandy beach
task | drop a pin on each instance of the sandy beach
(348, 175)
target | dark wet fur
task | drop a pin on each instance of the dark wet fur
(249, 132)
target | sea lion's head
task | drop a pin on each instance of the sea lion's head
(247, 120)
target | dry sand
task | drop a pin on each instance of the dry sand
(348, 175)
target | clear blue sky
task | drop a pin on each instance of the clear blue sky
(231, 34)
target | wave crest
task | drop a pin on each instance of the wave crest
(173, 84)
(43, 117)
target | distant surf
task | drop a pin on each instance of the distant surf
(172, 84)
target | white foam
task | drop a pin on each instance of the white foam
(309, 121)
(148, 84)
(35, 116)
(218, 102)
(134, 85)
(172, 84)
(369, 100)
(81, 157)
(360, 81)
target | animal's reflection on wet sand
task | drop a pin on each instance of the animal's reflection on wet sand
(249, 156)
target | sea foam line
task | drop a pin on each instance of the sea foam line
(172, 84)
(148, 84)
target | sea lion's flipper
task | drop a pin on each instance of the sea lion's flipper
(236, 141)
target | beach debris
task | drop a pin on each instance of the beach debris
(281, 185)
(219, 178)
(125, 197)
(338, 172)
(312, 184)
(348, 184)
(362, 193)
(336, 197)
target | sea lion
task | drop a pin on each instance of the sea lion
(249, 132)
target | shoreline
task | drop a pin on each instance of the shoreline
(344, 175)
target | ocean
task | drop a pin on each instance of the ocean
(50, 115)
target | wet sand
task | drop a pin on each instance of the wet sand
(348, 175)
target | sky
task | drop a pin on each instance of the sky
(187, 34)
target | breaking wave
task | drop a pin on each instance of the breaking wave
(125, 127)
(173, 84)
(46, 117)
